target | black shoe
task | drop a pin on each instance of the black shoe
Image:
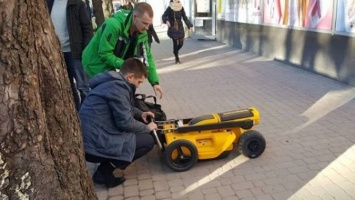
(177, 60)
(109, 180)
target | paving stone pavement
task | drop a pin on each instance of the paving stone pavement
(306, 119)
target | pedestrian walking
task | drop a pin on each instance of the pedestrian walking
(173, 17)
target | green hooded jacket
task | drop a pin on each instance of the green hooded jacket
(109, 47)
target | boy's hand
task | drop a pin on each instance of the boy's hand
(148, 117)
(152, 126)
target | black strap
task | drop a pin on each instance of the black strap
(144, 97)
(155, 99)
(140, 96)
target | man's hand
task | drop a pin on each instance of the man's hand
(157, 89)
(147, 117)
(168, 24)
(151, 125)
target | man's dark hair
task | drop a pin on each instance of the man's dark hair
(135, 66)
(143, 7)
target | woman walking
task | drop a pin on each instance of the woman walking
(173, 17)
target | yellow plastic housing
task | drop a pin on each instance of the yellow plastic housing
(213, 142)
(209, 144)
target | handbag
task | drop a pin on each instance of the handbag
(140, 102)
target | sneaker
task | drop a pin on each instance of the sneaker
(108, 180)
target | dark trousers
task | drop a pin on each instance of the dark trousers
(76, 72)
(144, 144)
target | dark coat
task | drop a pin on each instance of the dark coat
(152, 34)
(171, 16)
(109, 119)
(79, 26)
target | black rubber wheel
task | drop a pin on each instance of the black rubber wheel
(181, 155)
(248, 124)
(251, 144)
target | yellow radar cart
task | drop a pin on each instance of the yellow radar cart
(185, 141)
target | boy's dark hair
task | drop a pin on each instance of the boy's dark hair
(143, 7)
(135, 66)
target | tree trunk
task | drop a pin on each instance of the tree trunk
(98, 12)
(41, 151)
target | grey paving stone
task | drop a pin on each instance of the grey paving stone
(130, 191)
(149, 197)
(213, 196)
(148, 192)
(119, 197)
(115, 191)
(161, 185)
(162, 194)
(225, 191)
(145, 184)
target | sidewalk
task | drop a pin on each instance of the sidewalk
(306, 119)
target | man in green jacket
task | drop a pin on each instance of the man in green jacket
(121, 37)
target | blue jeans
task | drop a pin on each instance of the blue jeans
(76, 72)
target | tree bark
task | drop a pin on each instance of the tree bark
(41, 151)
(98, 12)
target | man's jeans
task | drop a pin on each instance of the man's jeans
(76, 72)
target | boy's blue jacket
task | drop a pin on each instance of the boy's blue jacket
(108, 118)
